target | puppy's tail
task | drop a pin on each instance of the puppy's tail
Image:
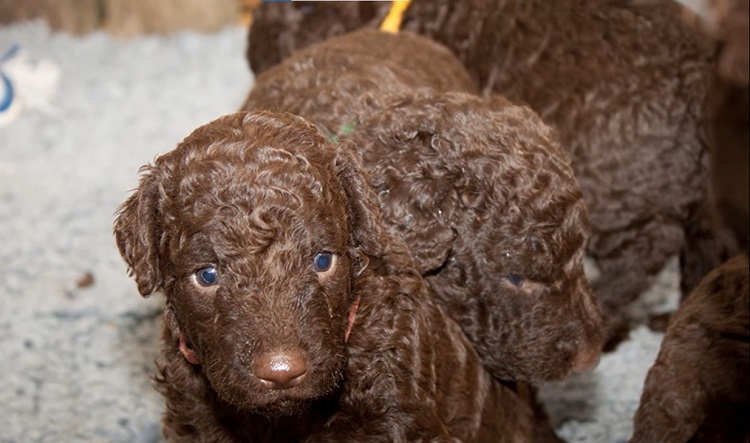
(392, 22)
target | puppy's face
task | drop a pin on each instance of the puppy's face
(259, 282)
(491, 210)
(526, 271)
(253, 247)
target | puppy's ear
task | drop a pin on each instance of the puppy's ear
(418, 205)
(364, 214)
(136, 230)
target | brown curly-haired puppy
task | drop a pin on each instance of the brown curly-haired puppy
(479, 189)
(291, 315)
(730, 115)
(624, 83)
(698, 389)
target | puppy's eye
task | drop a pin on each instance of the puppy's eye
(322, 261)
(515, 279)
(207, 276)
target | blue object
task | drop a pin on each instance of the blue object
(10, 53)
(8, 93)
(6, 99)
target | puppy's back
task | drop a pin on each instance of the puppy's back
(327, 79)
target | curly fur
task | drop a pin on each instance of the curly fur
(698, 389)
(624, 83)
(257, 196)
(479, 189)
(729, 116)
(280, 31)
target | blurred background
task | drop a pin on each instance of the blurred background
(129, 18)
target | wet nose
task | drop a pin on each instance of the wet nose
(280, 370)
(586, 359)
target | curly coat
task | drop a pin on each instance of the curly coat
(729, 116)
(698, 389)
(266, 342)
(478, 188)
(623, 82)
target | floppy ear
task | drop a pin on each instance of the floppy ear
(136, 232)
(364, 214)
(411, 129)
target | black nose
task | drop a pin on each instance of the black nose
(280, 370)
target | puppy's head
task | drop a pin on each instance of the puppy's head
(491, 210)
(254, 227)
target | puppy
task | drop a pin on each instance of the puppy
(291, 314)
(478, 188)
(729, 116)
(698, 388)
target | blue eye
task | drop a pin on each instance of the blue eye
(208, 276)
(322, 261)
(516, 279)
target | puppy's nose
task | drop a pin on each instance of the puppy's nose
(586, 360)
(280, 370)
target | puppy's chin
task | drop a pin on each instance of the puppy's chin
(273, 404)
(284, 407)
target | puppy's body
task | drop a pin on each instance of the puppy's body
(479, 189)
(730, 116)
(277, 32)
(291, 315)
(623, 82)
(698, 389)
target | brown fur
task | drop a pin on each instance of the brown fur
(278, 31)
(479, 189)
(697, 390)
(624, 82)
(730, 117)
(257, 196)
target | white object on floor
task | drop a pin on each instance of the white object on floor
(9, 105)
(26, 84)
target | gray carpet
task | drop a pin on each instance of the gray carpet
(77, 355)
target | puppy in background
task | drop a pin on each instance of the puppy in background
(698, 389)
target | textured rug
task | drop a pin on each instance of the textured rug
(77, 341)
